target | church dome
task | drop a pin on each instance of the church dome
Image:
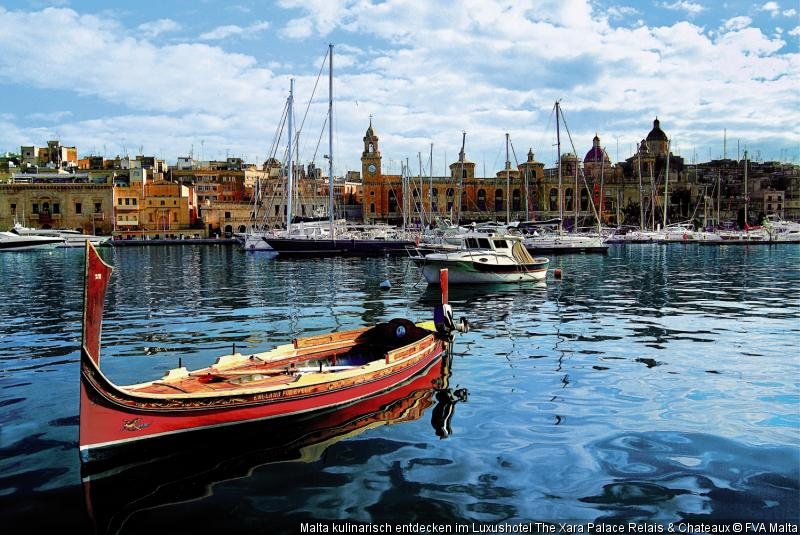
(656, 134)
(596, 154)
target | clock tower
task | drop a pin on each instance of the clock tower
(371, 157)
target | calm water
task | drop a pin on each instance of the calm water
(655, 383)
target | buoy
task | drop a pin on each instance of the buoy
(385, 285)
(557, 273)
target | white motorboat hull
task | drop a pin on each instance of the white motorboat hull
(472, 272)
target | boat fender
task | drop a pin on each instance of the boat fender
(557, 273)
(386, 285)
(685, 236)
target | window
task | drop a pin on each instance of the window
(472, 243)
(392, 201)
(500, 244)
(481, 199)
(133, 201)
(277, 209)
(36, 208)
(119, 201)
(483, 243)
(553, 199)
(372, 208)
(98, 207)
(371, 193)
(568, 199)
(56, 208)
(498, 200)
(435, 200)
(78, 208)
(13, 209)
(516, 200)
(162, 203)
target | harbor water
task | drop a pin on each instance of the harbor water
(653, 384)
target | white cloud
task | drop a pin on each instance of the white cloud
(223, 32)
(737, 23)
(795, 31)
(621, 12)
(790, 13)
(772, 8)
(157, 27)
(692, 8)
(492, 68)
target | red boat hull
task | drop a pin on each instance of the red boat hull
(106, 422)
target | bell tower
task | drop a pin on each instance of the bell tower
(371, 157)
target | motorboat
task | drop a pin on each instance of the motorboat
(544, 242)
(10, 241)
(69, 237)
(484, 258)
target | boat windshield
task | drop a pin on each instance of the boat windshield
(500, 244)
(478, 243)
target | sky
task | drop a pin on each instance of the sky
(211, 78)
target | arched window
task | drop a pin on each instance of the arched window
(553, 200)
(434, 200)
(568, 199)
(481, 199)
(584, 199)
(463, 173)
(372, 207)
(242, 229)
(498, 200)
(370, 148)
(449, 194)
(516, 200)
(392, 202)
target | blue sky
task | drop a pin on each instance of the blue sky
(212, 77)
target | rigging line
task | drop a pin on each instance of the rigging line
(311, 99)
(583, 175)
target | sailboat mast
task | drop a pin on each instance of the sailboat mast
(558, 152)
(641, 200)
(508, 183)
(461, 175)
(745, 189)
(330, 137)
(666, 185)
(291, 163)
(430, 184)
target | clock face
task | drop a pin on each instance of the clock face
(371, 168)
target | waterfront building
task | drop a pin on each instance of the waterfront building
(73, 205)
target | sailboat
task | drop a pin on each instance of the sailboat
(542, 241)
(336, 241)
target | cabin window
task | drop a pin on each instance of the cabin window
(78, 208)
(483, 243)
(500, 244)
(472, 243)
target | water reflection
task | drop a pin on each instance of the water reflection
(191, 470)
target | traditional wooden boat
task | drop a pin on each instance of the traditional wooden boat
(176, 475)
(310, 374)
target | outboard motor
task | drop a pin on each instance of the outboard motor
(443, 314)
